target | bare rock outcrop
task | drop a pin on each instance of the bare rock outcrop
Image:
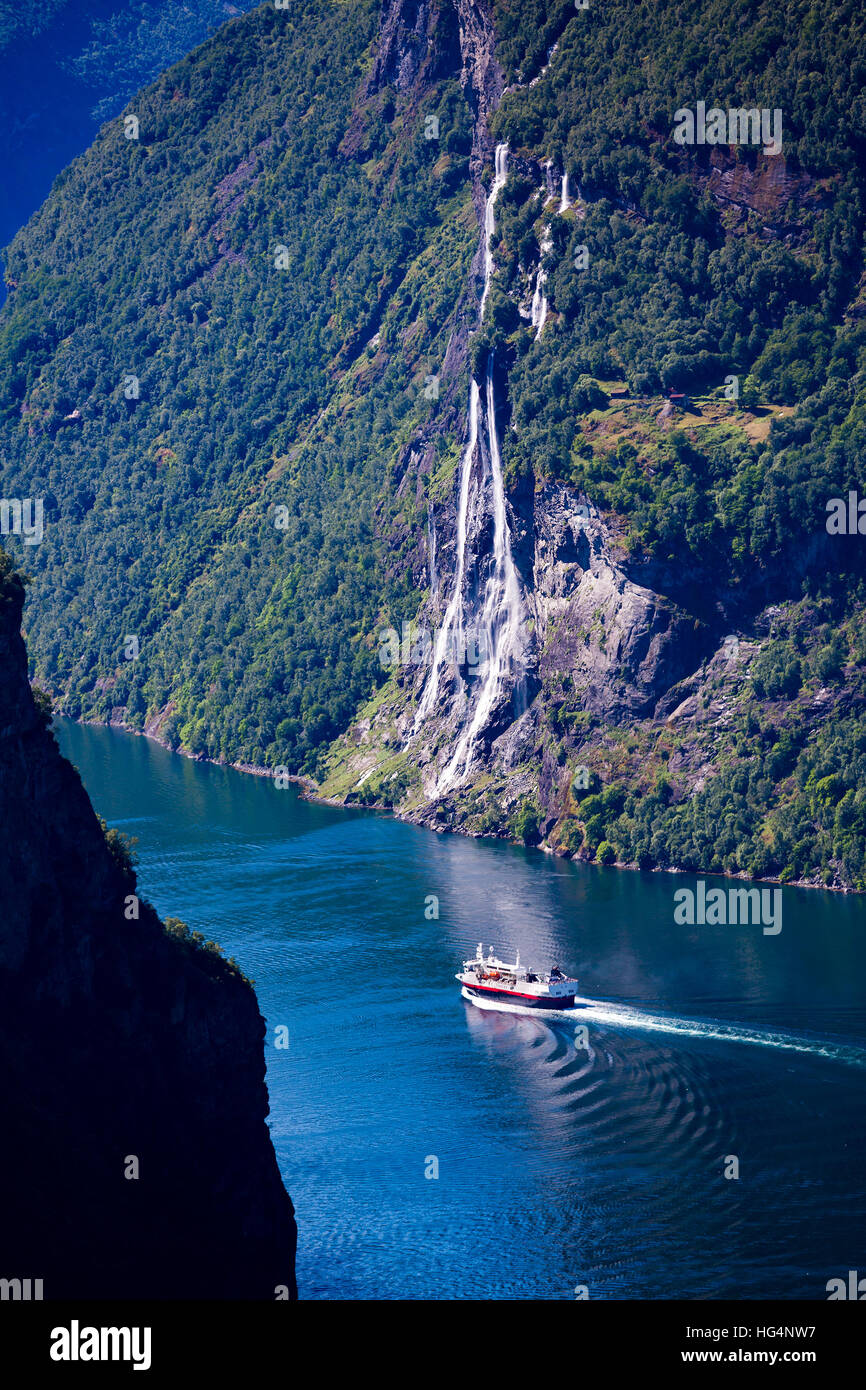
(621, 644)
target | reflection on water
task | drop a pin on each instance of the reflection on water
(558, 1165)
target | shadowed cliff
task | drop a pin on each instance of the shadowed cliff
(117, 1040)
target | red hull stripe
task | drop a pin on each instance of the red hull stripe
(515, 994)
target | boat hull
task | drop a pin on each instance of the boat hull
(483, 994)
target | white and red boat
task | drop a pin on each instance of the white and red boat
(492, 982)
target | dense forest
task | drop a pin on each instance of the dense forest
(216, 365)
(260, 385)
(67, 66)
(681, 291)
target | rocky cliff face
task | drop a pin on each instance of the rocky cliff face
(630, 668)
(621, 650)
(622, 643)
(617, 643)
(135, 1161)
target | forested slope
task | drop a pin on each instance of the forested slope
(259, 386)
(286, 262)
(68, 65)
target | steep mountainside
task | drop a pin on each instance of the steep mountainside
(308, 361)
(122, 1042)
(68, 65)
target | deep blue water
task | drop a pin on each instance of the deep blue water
(557, 1167)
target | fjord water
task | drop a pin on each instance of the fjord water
(557, 1167)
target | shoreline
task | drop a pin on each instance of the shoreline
(309, 793)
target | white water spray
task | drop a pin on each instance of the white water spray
(454, 612)
(564, 201)
(500, 175)
(502, 611)
(539, 303)
(501, 616)
(851, 1053)
(539, 298)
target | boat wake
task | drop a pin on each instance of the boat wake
(625, 1016)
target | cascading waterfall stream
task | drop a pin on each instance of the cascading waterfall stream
(501, 615)
(502, 611)
(453, 620)
(539, 298)
(539, 303)
(500, 175)
(454, 612)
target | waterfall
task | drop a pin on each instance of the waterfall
(501, 617)
(548, 192)
(539, 303)
(565, 201)
(550, 53)
(454, 612)
(539, 298)
(500, 175)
